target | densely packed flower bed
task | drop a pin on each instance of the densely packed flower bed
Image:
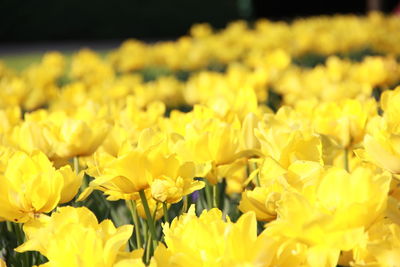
(273, 144)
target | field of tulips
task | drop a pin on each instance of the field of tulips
(270, 144)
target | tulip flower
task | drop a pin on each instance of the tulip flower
(31, 186)
(188, 241)
(149, 165)
(73, 237)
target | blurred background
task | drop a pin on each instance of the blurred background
(100, 24)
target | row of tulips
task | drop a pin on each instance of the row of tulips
(259, 161)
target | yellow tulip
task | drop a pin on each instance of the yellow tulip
(2, 263)
(273, 181)
(210, 241)
(78, 138)
(122, 177)
(235, 175)
(73, 237)
(268, 170)
(13, 91)
(30, 136)
(345, 121)
(229, 95)
(79, 134)
(382, 247)
(72, 183)
(286, 144)
(122, 59)
(249, 140)
(130, 263)
(334, 213)
(377, 65)
(190, 237)
(149, 165)
(88, 67)
(261, 201)
(41, 80)
(123, 173)
(31, 185)
(9, 117)
(381, 147)
(59, 135)
(216, 145)
(5, 154)
(135, 117)
(391, 111)
(175, 181)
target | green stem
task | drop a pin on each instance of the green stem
(201, 201)
(9, 226)
(185, 205)
(132, 208)
(150, 221)
(147, 253)
(208, 196)
(145, 231)
(215, 195)
(165, 209)
(346, 159)
(155, 213)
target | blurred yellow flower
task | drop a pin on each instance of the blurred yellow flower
(89, 68)
(288, 140)
(345, 121)
(9, 117)
(382, 247)
(59, 135)
(381, 146)
(391, 111)
(41, 80)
